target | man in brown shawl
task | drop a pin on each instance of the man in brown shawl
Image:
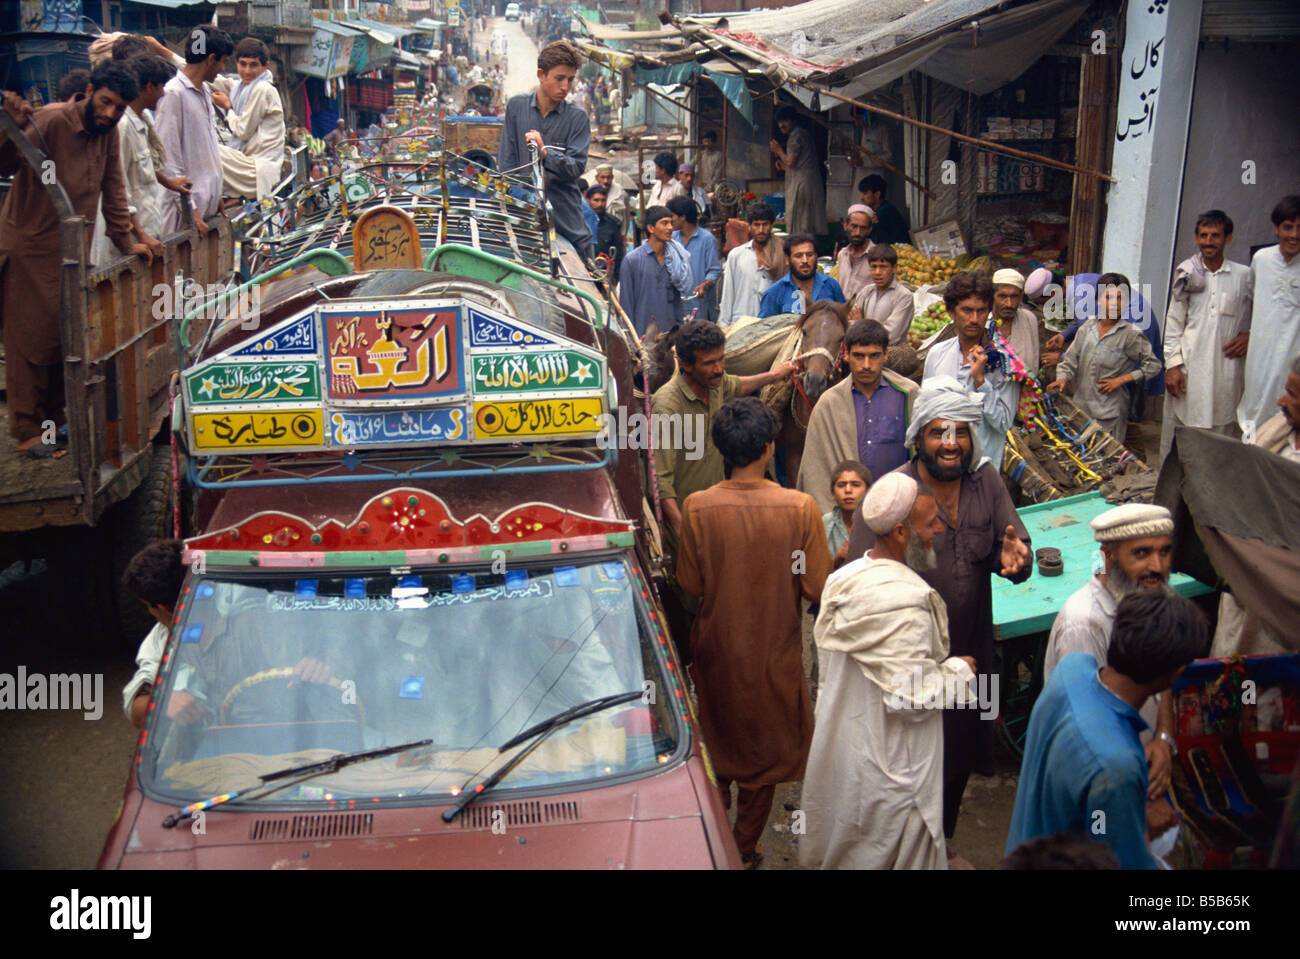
(747, 642)
(85, 159)
(982, 536)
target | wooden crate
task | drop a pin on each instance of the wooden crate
(462, 134)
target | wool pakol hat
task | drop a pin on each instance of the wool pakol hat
(1132, 521)
(889, 502)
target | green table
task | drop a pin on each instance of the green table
(1023, 615)
(1032, 606)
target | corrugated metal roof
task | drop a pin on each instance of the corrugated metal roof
(1258, 20)
(172, 4)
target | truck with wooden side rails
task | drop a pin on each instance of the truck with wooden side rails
(418, 626)
(86, 513)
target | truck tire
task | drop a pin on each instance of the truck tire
(145, 516)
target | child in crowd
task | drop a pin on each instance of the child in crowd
(849, 482)
(1107, 354)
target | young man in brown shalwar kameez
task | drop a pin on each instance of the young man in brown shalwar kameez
(753, 551)
(86, 162)
(982, 536)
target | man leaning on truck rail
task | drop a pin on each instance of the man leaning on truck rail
(80, 155)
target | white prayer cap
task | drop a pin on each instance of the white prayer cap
(604, 168)
(1009, 278)
(889, 502)
(1038, 281)
(1132, 521)
(860, 208)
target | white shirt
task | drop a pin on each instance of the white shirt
(892, 308)
(1196, 330)
(743, 284)
(1274, 336)
(185, 125)
(142, 188)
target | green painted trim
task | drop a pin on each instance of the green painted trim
(463, 260)
(327, 261)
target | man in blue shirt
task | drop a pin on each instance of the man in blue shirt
(646, 289)
(702, 248)
(562, 134)
(1084, 770)
(804, 285)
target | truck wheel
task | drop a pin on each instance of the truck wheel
(144, 517)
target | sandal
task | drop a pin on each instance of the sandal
(750, 860)
(46, 451)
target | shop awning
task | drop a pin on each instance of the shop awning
(173, 4)
(382, 33)
(857, 46)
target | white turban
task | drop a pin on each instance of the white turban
(889, 502)
(860, 208)
(1132, 521)
(943, 398)
(1009, 278)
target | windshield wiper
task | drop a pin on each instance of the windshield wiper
(540, 731)
(302, 773)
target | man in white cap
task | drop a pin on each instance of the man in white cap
(853, 272)
(873, 789)
(1017, 323)
(617, 203)
(982, 536)
(1137, 547)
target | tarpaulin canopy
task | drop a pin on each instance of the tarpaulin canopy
(732, 85)
(1236, 511)
(858, 46)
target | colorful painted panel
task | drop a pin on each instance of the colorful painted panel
(489, 330)
(393, 355)
(506, 420)
(398, 428)
(537, 372)
(226, 383)
(270, 430)
(292, 337)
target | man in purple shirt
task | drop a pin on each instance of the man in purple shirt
(863, 417)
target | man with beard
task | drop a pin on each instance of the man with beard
(804, 285)
(609, 232)
(186, 125)
(982, 536)
(85, 159)
(751, 267)
(873, 791)
(753, 552)
(1137, 547)
(618, 205)
(854, 268)
(1017, 324)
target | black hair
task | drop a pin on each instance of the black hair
(596, 188)
(709, 135)
(204, 41)
(251, 48)
(1112, 279)
(151, 69)
(760, 211)
(1288, 208)
(1215, 218)
(656, 213)
(882, 251)
(866, 333)
(116, 76)
(695, 337)
(1156, 632)
(799, 239)
(667, 162)
(685, 207)
(742, 429)
(967, 283)
(72, 84)
(128, 47)
(155, 574)
(1065, 850)
(872, 184)
(787, 113)
(850, 466)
